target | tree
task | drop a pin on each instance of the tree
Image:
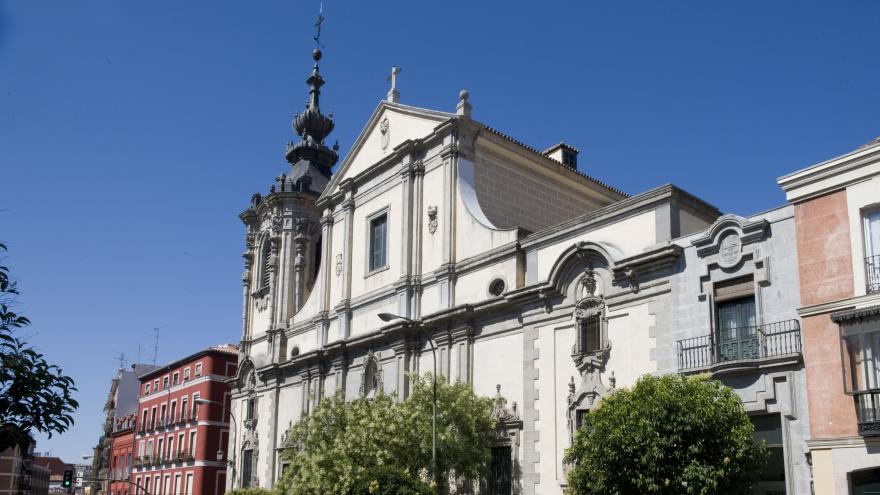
(668, 435)
(387, 480)
(341, 444)
(34, 395)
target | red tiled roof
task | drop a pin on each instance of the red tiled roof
(55, 465)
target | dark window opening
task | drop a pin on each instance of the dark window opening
(317, 258)
(247, 458)
(590, 329)
(378, 241)
(500, 480)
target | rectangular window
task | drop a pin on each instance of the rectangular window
(378, 242)
(189, 484)
(147, 484)
(500, 472)
(147, 389)
(872, 251)
(184, 413)
(180, 440)
(769, 429)
(173, 416)
(249, 408)
(167, 485)
(736, 321)
(247, 458)
(156, 385)
(162, 414)
(590, 333)
(186, 374)
(161, 449)
(199, 369)
(165, 382)
(192, 443)
(156, 483)
(176, 379)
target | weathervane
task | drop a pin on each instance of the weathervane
(318, 24)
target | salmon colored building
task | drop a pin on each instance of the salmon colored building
(122, 455)
(837, 218)
(182, 430)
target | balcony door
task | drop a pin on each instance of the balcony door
(737, 330)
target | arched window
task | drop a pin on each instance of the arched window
(371, 381)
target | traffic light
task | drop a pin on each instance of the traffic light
(67, 482)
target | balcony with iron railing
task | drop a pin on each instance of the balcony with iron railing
(868, 411)
(872, 274)
(747, 347)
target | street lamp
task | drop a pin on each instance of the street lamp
(389, 317)
(234, 430)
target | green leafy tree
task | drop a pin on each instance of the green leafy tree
(250, 491)
(34, 395)
(387, 480)
(668, 435)
(338, 446)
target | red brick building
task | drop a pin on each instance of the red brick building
(122, 455)
(180, 445)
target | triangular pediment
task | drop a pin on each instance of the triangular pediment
(390, 125)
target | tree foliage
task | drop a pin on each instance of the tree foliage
(250, 491)
(387, 480)
(34, 395)
(341, 443)
(668, 435)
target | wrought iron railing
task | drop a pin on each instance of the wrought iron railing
(872, 274)
(868, 412)
(748, 343)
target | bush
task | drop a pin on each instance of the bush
(386, 480)
(250, 491)
(668, 435)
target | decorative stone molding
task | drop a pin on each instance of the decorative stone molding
(727, 238)
(432, 219)
(339, 264)
(371, 375)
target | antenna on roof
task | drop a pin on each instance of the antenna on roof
(318, 24)
(121, 357)
(156, 345)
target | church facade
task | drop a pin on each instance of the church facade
(538, 284)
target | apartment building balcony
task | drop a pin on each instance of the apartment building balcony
(872, 274)
(868, 411)
(752, 347)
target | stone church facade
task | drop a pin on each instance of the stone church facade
(539, 285)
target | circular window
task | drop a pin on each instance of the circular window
(496, 288)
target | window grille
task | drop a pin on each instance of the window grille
(590, 333)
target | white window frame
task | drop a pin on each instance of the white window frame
(186, 374)
(198, 369)
(368, 269)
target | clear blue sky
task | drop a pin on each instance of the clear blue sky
(132, 133)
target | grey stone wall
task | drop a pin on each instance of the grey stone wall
(772, 260)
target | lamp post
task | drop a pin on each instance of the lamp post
(234, 431)
(389, 317)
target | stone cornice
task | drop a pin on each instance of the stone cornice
(839, 305)
(838, 172)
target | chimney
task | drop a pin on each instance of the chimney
(564, 154)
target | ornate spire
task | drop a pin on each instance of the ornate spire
(313, 127)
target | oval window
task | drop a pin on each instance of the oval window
(496, 288)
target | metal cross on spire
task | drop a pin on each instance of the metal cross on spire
(318, 24)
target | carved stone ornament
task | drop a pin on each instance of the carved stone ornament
(588, 283)
(500, 412)
(371, 376)
(250, 241)
(384, 131)
(730, 249)
(276, 224)
(432, 219)
(339, 264)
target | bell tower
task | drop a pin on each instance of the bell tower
(283, 241)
